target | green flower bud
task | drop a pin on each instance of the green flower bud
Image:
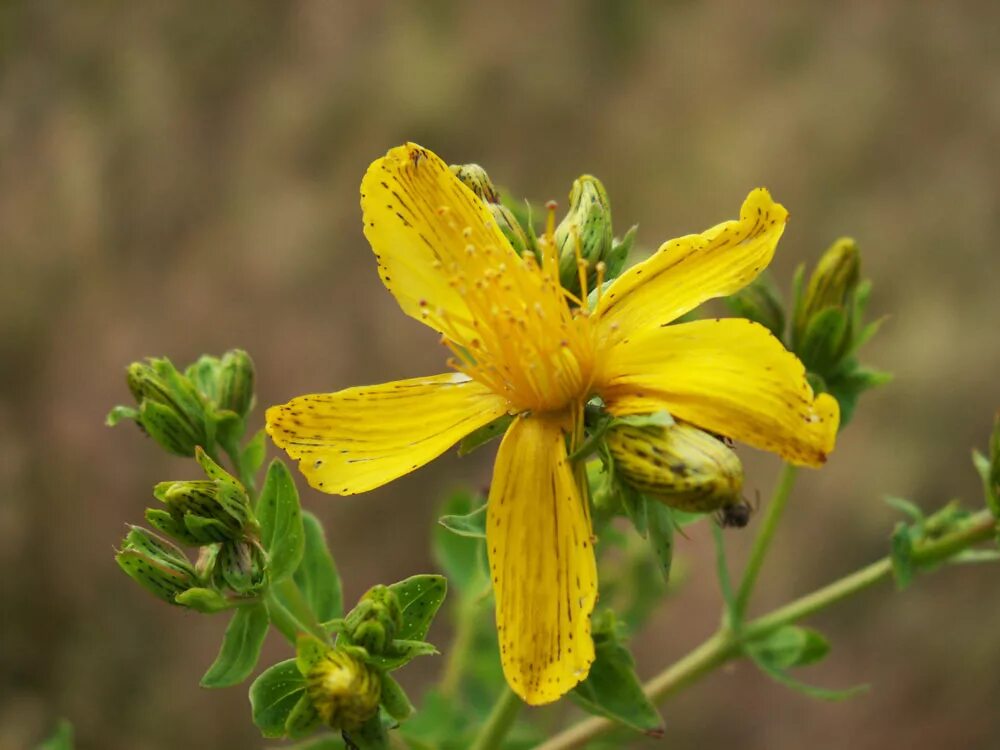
(761, 303)
(204, 511)
(344, 690)
(583, 238)
(156, 564)
(475, 178)
(376, 619)
(170, 409)
(679, 465)
(236, 382)
(240, 566)
(831, 287)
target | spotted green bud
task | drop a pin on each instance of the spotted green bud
(204, 511)
(679, 465)
(831, 287)
(236, 382)
(157, 565)
(343, 689)
(583, 238)
(760, 302)
(475, 178)
(376, 619)
(170, 409)
(240, 565)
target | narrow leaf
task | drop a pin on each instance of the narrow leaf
(472, 524)
(800, 687)
(280, 518)
(790, 646)
(254, 452)
(395, 700)
(240, 647)
(317, 575)
(273, 696)
(661, 535)
(906, 507)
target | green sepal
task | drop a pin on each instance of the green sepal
(618, 255)
(118, 413)
(280, 517)
(400, 652)
(309, 650)
(394, 699)
(901, 554)
(317, 576)
(847, 384)
(240, 647)
(158, 549)
(790, 646)
(206, 601)
(241, 567)
(484, 434)
(202, 530)
(634, 505)
(273, 696)
(173, 433)
(824, 340)
(783, 678)
(471, 524)
(162, 580)
(612, 688)
(373, 734)
(660, 522)
(303, 719)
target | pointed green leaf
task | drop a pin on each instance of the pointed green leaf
(661, 535)
(790, 646)
(419, 598)
(303, 719)
(472, 524)
(395, 700)
(800, 687)
(485, 434)
(119, 413)
(401, 652)
(280, 517)
(240, 647)
(273, 696)
(634, 504)
(906, 507)
(317, 575)
(457, 553)
(612, 688)
(254, 452)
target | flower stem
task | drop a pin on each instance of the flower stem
(762, 542)
(290, 613)
(725, 645)
(499, 722)
(465, 624)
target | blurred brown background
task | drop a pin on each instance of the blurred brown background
(179, 178)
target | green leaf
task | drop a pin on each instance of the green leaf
(402, 652)
(457, 553)
(419, 597)
(790, 646)
(252, 456)
(472, 524)
(273, 696)
(61, 739)
(206, 601)
(395, 700)
(661, 535)
(634, 504)
(240, 647)
(906, 507)
(119, 413)
(303, 719)
(612, 688)
(901, 554)
(800, 687)
(317, 575)
(485, 434)
(280, 517)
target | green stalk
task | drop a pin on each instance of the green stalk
(460, 646)
(762, 542)
(725, 645)
(499, 722)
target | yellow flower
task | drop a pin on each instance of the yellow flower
(524, 346)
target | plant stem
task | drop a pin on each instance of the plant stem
(459, 651)
(290, 613)
(725, 645)
(762, 542)
(499, 722)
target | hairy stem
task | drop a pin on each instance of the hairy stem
(726, 645)
(499, 722)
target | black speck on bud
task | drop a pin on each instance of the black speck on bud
(584, 236)
(343, 689)
(475, 178)
(679, 465)
(376, 619)
(157, 565)
(204, 511)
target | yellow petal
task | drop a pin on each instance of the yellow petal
(542, 563)
(361, 438)
(420, 219)
(687, 271)
(731, 377)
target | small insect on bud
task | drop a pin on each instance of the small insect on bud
(679, 465)
(155, 564)
(343, 689)
(204, 511)
(584, 238)
(475, 178)
(170, 409)
(376, 619)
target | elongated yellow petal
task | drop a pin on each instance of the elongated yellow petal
(731, 377)
(420, 220)
(542, 563)
(687, 271)
(361, 438)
